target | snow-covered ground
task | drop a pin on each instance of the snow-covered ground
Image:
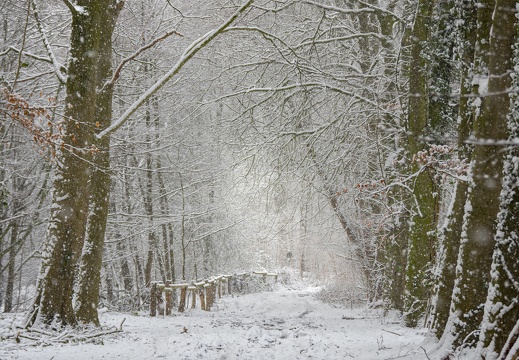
(282, 324)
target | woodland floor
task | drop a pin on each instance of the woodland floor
(282, 324)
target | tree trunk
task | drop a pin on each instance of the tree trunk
(89, 275)
(500, 331)
(424, 216)
(148, 200)
(109, 283)
(8, 302)
(91, 34)
(451, 233)
(125, 267)
(485, 183)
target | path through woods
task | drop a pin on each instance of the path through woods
(282, 324)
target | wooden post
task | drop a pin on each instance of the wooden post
(224, 286)
(192, 289)
(229, 285)
(245, 283)
(182, 302)
(153, 299)
(219, 289)
(201, 292)
(210, 294)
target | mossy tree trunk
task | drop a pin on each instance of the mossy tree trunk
(449, 238)
(423, 219)
(500, 333)
(485, 183)
(90, 43)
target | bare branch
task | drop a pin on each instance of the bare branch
(307, 85)
(369, 8)
(19, 65)
(25, 53)
(50, 53)
(71, 7)
(194, 48)
(338, 9)
(126, 60)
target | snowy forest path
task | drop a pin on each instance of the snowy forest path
(282, 324)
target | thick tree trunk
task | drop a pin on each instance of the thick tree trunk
(500, 330)
(89, 275)
(482, 207)
(91, 34)
(451, 233)
(502, 310)
(424, 216)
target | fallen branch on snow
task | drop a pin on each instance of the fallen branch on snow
(69, 335)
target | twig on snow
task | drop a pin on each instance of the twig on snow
(427, 356)
(392, 332)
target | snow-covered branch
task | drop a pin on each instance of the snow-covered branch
(194, 48)
(307, 85)
(117, 72)
(339, 9)
(74, 9)
(25, 53)
(369, 8)
(342, 38)
(57, 66)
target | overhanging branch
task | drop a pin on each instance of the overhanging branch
(117, 72)
(187, 55)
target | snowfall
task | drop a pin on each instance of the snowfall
(285, 323)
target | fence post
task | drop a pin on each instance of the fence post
(161, 294)
(201, 292)
(182, 302)
(208, 296)
(192, 288)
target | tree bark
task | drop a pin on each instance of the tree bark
(91, 34)
(424, 213)
(9, 289)
(485, 183)
(450, 236)
(500, 331)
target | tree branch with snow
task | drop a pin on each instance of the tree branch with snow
(187, 55)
